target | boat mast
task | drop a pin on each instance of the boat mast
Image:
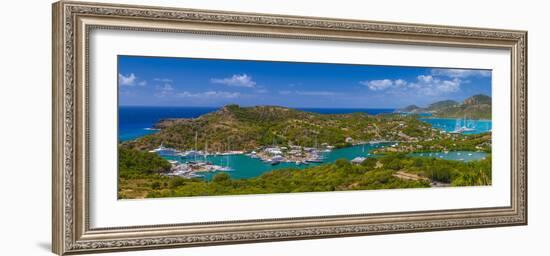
(195, 153)
(228, 149)
(205, 150)
(316, 145)
(225, 155)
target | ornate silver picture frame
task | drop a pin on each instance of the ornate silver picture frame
(72, 24)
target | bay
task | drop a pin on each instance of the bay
(465, 156)
(451, 124)
(244, 166)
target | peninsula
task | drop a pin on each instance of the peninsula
(474, 107)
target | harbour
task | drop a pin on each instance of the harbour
(238, 164)
(457, 125)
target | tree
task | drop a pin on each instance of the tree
(155, 185)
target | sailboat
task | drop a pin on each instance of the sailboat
(458, 129)
(466, 128)
(205, 151)
(225, 168)
(162, 150)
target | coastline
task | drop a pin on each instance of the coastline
(191, 162)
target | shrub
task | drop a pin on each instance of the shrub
(176, 182)
(221, 177)
(155, 185)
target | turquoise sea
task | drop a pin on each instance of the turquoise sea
(465, 156)
(451, 124)
(244, 166)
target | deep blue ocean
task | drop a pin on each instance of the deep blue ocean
(136, 121)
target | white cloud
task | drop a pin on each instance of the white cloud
(166, 87)
(430, 85)
(424, 84)
(460, 73)
(425, 79)
(209, 95)
(237, 80)
(128, 80)
(449, 86)
(378, 85)
(400, 82)
(167, 90)
(164, 90)
(164, 80)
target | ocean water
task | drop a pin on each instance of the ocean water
(136, 121)
(450, 124)
(465, 156)
(244, 166)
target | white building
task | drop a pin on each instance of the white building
(273, 151)
(358, 160)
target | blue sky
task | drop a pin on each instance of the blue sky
(156, 81)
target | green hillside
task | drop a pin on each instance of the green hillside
(246, 128)
(474, 107)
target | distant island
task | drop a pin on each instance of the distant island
(474, 107)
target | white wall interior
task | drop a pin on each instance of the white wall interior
(25, 132)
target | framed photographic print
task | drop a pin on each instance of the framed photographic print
(178, 127)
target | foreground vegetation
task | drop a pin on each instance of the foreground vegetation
(135, 164)
(145, 180)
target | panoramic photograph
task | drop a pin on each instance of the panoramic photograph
(212, 127)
